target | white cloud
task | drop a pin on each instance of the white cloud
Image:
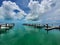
(37, 9)
(7, 11)
(54, 14)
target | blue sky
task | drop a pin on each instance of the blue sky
(23, 4)
(30, 10)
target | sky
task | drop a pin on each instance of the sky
(30, 10)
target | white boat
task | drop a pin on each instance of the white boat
(5, 27)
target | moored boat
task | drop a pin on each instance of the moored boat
(5, 27)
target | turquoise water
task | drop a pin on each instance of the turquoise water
(25, 35)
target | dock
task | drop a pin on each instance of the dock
(45, 26)
(34, 25)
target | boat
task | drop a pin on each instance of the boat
(38, 26)
(35, 25)
(5, 27)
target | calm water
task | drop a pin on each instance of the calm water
(24, 35)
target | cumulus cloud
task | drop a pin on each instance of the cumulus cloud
(7, 11)
(54, 14)
(46, 8)
(37, 9)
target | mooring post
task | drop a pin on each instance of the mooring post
(0, 26)
(59, 27)
(47, 26)
(6, 26)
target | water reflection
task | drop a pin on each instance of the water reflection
(26, 35)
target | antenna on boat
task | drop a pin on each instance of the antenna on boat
(46, 25)
(47, 28)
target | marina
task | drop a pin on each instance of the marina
(29, 35)
(34, 25)
(45, 26)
